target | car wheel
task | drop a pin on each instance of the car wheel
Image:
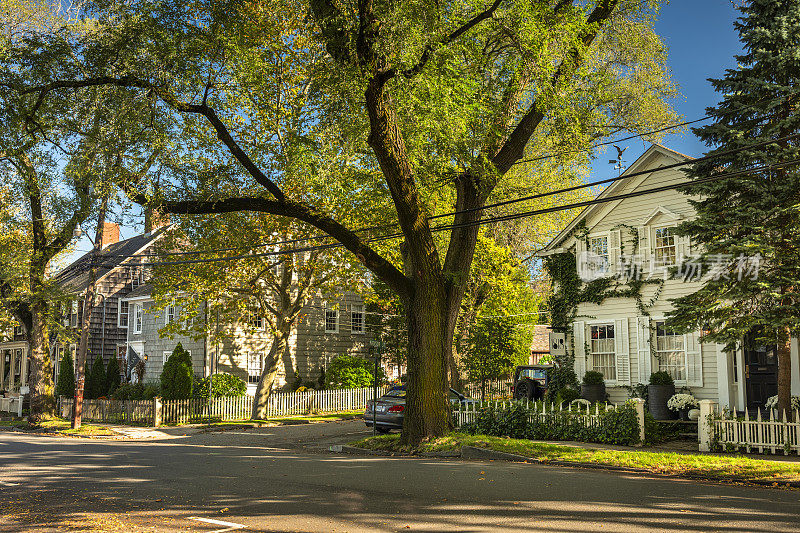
(523, 390)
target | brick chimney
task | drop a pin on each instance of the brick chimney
(153, 219)
(110, 233)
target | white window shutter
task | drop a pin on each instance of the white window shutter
(681, 249)
(623, 361)
(579, 340)
(694, 360)
(643, 338)
(614, 250)
(644, 252)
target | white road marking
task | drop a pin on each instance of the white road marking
(230, 526)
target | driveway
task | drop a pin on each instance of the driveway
(281, 479)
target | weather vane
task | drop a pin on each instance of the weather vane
(618, 162)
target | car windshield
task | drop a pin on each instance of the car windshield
(533, 373)
(396, 393)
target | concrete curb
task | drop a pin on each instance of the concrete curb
(483, 454)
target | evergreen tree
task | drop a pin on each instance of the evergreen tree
(112, 376)
(753, 215)
(95, 383)
(66, 376)
(177, 377)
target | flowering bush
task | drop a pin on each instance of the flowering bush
(772, 402)
(681, 401)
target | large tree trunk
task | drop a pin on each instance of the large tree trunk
(269, 373)
(429, 351)
(784, 373)
(40, 379)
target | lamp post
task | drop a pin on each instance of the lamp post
(376, 347)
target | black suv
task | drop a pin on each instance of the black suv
(530, 382)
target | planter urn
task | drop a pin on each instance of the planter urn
(658, 395)
(684, 414)
(593, 393)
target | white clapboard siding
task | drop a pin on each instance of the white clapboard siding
(621, 351)
(579, 341)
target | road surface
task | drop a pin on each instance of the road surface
(283, 479)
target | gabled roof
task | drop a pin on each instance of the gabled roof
(615, 187)
(75, 277)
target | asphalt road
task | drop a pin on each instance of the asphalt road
(281, 479)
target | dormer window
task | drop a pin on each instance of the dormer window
(599, 246)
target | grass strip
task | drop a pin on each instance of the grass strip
(58, 425)
(706, 466)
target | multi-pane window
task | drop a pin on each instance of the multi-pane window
(665, 250)
(255, 364)
(73, 317)
(170, 312)
(255, 320)
(602, 350)
(331, 320)
(599, 246)
(670, 352)
(122, 314)
(357, 319)
(137, 318)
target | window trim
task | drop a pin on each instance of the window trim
(138, 318)
(653, 246)
(120, 314)
(259, 357)
(353, 311)
(654, 343)
(613, 353)
(170, 313)
(325, 319)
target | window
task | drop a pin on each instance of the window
(599, 246)
(122, 314)
(73, 317)
(602, 350)
(17, 331)
(357, 319)
(670, 352)
(255, 364)
(136, 279)
(665, 250)
(169, 313)
(331, 320)
(137, 318)
(255, 320)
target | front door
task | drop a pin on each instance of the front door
(760, 372)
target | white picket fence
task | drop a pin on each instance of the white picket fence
(542, 413)
(158, 411)
(12, 405)
(726, 432)
(495, 389)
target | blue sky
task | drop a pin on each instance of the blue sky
(701, 41)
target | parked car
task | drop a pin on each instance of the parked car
(390, 407)
(530, 382)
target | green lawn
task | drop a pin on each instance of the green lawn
(327, 417)
(59, 425)
(707, 466)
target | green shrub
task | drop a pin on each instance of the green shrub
(567, 395)
(152, 390)
(350, 372)
(619, 426)
(593, 377)
(66, 376)
(129, 391)
(96, 381)
(112, 376)
(661, 378)
(177, 376)
(226, 385)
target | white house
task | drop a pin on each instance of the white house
(626, 340)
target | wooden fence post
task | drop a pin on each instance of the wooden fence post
(638, 403)
(704, 424)
(156, 412)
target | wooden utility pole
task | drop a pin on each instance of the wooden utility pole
(88, 305)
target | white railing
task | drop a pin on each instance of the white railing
(495, 389)
(158, 411)
(541, 412)
(723, 431)
(12, 405)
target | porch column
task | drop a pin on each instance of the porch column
(2, 369)
(23, 378)
(739, 355)
(724, 372)
(795, 366)
(13, 372)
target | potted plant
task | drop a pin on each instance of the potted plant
(772, 403)
(593, 387)
(681, 404)
(659, 391)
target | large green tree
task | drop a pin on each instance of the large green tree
(748, 226)
(432, 106)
